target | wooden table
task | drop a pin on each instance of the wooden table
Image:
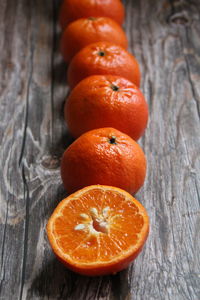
(165, 37)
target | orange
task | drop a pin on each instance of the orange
(106, 101)
(98, 230)
(103, 58)
(83, 32)
(72, 10)
(103, 156)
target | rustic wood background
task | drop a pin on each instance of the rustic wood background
(165, 37)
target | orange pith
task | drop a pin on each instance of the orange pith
(98, 230)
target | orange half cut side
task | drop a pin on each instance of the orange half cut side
(98, 230)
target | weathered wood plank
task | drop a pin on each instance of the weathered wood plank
(165, 37)
(166, 48)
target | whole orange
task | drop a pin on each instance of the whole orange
(72, 10)
(103, 58)
(83, 32)
(106, 101)
(103, 156)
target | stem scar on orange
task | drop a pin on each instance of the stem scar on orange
(72, 10)
(98, 230)
(106, 101)
(83, 32)
(103, 156)
(103, 58)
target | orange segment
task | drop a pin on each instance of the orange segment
(98, 230)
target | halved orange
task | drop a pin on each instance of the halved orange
(98, 230)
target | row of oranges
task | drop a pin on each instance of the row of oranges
(101, 228)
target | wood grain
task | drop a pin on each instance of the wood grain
(165, 37)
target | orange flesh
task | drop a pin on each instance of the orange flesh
(115, 226)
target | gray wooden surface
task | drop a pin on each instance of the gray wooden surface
(165, 37)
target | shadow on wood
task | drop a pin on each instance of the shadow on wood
(120, 286)
(57, 282)
(54, 280)
(61, 144)
(59, 72)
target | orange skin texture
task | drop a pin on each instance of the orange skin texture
(92, 159)
(104, 268)
(94, 104)
(72, 10)
(103, 58)
(83, 32)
